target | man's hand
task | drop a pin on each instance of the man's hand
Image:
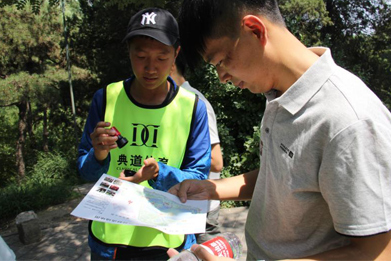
(193, 189)
(201, 253)
(240, 187)
(150, 170)
(103, 140)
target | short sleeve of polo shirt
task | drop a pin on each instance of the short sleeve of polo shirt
(353, 178)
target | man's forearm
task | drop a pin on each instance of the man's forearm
(216, 164)
(235, 188)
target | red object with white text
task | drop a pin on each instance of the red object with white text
(225, 245)
(219, 246)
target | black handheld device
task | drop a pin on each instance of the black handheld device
(122, 141)
(129, 173)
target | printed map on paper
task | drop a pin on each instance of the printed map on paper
(120, 202)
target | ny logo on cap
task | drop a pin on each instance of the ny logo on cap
(148, 18)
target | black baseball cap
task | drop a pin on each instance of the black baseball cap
(156, 23)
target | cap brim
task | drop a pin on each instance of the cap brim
(153, 33)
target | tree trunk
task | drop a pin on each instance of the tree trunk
(45, 130)
(23, 107)
(29, 129)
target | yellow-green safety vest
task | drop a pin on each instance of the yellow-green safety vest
(161, 133)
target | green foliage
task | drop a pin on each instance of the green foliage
(378, 50)
(34, 4)
(7, 146)
(233, 204)
(360, 42)
(29, 42)
(122, 4)
(119, 4)
(305, 19)
(49, 182)
(52, 167)
(99, 40)
(33, 69)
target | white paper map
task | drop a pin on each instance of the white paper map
(120, 202)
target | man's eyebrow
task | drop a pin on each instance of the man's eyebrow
(209, 57)
(165, 52)
(139, 49)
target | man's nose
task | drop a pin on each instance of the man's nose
(224, 76)
(149, 65)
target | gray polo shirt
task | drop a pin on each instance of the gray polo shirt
(325, 166)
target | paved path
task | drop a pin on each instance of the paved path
(64, 237)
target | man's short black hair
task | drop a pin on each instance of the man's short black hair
(211, 19)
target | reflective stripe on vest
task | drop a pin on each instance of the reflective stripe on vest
(161, 133)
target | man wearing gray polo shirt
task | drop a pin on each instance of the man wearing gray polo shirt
(323, 190)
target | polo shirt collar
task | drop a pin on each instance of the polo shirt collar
(297, 96)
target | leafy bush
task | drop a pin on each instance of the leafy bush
(49, 182)
(52, 167)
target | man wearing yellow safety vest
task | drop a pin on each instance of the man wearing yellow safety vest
(167, 131)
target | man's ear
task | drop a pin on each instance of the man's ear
(256, 26)
(177, 51)
(173, 69)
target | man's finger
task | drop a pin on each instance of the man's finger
(172, 252)
(203, 254)
(149, 161)
(103, 124)
(182, 191)
(174, 189)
